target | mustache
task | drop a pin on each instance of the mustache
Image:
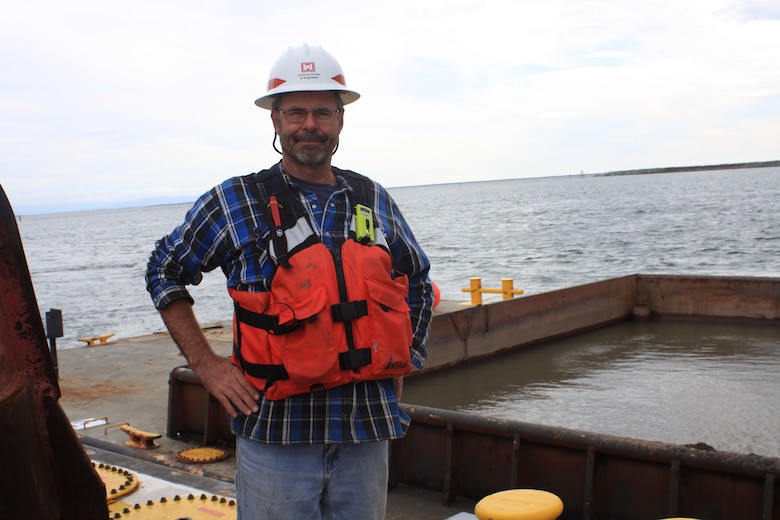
(310, 136)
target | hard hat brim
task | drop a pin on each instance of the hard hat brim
(267, 101)
(306, 68)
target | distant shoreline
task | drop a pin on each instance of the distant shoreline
(30, 210)
(675, 169)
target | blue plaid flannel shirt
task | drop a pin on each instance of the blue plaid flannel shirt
(227, 228)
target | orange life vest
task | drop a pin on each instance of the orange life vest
(331, 317)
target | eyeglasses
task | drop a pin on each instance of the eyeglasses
(299, 115)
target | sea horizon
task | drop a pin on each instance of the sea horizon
(29, 210)
(545, 233)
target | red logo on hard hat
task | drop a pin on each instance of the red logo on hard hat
(307, 66)
(340, 79)
(275, 82)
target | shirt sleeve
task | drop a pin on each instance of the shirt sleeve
(220, 230)
(410, 259)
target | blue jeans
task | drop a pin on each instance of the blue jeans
(311, 482)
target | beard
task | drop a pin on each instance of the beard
(315, 152)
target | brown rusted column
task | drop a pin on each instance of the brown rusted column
(44, 471)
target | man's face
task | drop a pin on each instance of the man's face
(310, 142)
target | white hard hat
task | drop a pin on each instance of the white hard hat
(306, 68)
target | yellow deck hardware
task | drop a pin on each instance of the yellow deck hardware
(507, 290)
(97, 340)
(202, 455)
(138, 438)
(202, 507)
(519, 504)
(119, 482)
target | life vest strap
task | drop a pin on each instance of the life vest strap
(354, 359)
(267, 322)
(348, 311)
(277, 231)
(271, 373)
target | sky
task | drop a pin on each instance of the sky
(105, 104)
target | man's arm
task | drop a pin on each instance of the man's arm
(219, 375)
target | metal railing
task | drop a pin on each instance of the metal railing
(507, 290)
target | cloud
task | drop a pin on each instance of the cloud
(124, 102)
(753, 10)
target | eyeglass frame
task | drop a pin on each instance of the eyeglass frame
(312, 111)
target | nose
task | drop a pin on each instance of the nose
(309, 122)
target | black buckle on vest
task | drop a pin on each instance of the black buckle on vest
(354, 359)
(286, 329)
(271, 373)
(348, 311)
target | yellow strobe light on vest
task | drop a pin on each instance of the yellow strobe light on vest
(364, 224)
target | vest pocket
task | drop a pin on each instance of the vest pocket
(390, 330)
(309, 352)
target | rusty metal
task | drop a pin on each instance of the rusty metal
(769, 486)
(140, 439)
(202, 455)
(732, 297)
(590, 468)
(674, 487)
(515, 460)
(193, 411)
(117, 425)
(461, 334)
(597, 476)
(157, 458)
(45, 471)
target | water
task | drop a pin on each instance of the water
(557, 232)
(545, 233)
(673, 382)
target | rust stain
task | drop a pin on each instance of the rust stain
(74, 392)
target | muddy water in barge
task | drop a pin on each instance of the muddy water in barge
(669, 381)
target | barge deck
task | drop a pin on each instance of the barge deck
(445, 464)
(449, 460)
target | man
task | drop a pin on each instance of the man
(332, 307)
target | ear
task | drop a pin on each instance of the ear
(276, 122)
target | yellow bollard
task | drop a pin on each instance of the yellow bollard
(508, 290)
(519, 504)
(475, 288)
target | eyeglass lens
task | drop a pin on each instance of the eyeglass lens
(298, 115)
